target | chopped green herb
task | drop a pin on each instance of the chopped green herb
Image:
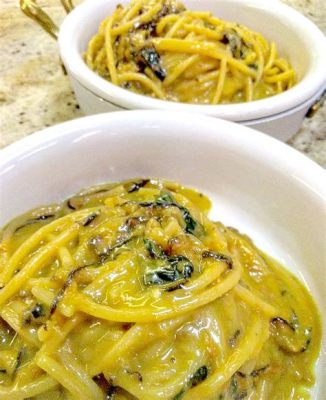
(165, 199)
(188, 219)
(199, 376)
(155, 251)
(253, 66)
(234, 385)
(182, 264)
(179, 395)
(178, 268)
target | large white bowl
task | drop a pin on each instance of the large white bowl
(257, 184)
(297, 38)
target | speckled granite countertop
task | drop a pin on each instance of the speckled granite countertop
(35, 93)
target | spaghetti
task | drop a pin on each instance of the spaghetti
(128, 291)
(160, 49)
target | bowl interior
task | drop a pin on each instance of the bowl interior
(257, 184)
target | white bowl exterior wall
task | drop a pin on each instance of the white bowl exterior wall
(281, 127)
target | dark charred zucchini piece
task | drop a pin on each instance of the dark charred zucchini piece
(259, 371)
(218, 257)
(103, 251)
(34, 220)
(306, 345)
(38, 311)
(132, 222)
(137, 375)
(18, 362)
(70, 205)
(90, 218)
(179, 395)
(135, 186)
(241, 395)
(291, 337)
(150, 27)
(149, 57)
(253, 66)
(281, 321)
(61, 292)
(235, 43)
(234, 338)
(199, 376)
(105, 385)
(181, 264)
(110, 394)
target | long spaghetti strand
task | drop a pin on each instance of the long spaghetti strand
(162, 50)
(129, 291)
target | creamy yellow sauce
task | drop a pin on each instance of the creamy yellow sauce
(163, 50)
(128, 291)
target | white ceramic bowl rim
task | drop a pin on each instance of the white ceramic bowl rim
(267, 118)
(310, 86)
(272, 150)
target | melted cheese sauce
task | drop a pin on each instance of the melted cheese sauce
(129, 291)
(160, 49)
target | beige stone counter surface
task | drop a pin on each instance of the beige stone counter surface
(35, 93)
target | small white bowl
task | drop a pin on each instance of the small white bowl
(258, 184)
(297, 38)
